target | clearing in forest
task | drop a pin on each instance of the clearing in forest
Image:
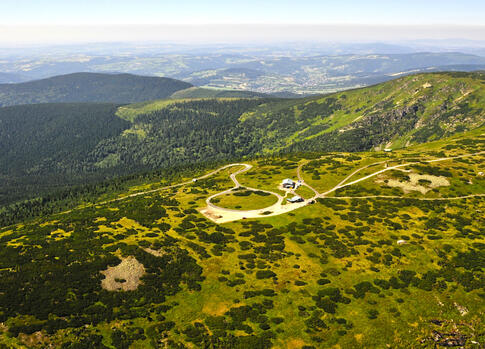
(125, 276)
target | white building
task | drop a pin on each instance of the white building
(288, 183)
(295, 198)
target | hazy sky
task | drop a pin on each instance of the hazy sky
(33, 20)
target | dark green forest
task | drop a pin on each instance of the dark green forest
(43, 146)
(90, 87)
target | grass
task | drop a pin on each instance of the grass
(249, 201)
(131, 111)
(305, 192)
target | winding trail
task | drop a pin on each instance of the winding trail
(344, 184)
(224, 215)
(300, 177)
(236, 186)
(179, 184)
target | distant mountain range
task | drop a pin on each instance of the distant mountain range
(268, 71)
(10, 78)
(322, 74)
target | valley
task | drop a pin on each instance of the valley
(302, 70)
(171, 132)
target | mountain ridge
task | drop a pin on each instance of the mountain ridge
(90, 87)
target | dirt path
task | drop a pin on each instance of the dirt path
(407, 197)
(300, 178)
(236, 186)
(247, 167)
(224, 215)
(344, 184)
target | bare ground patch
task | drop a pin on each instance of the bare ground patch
(416, 182)
(125, 276)
(156, 253)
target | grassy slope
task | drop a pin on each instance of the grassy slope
(198, 92)
(332, 244)
(445, 102)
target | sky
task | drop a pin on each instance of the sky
(99, 20)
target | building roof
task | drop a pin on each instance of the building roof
(295, 198)
(288, 181)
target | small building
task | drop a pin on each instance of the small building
(387, 150)
(295, 199)
(401, 242)
(288, 183)
(194, 180)
(298, 184)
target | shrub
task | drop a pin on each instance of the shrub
(264, 274)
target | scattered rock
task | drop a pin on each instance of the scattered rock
(463, 310)
(156, 253)
(453, 339)
(415, 182)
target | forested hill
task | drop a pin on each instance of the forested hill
(90, 87)
(166, 133)
(45, 146)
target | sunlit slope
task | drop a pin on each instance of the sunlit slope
(361, 271)
(405, 111)
(198, 92)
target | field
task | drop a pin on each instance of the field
(245, 200)
(370, 264)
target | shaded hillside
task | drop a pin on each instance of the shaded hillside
(90, 87)
(47, 145)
